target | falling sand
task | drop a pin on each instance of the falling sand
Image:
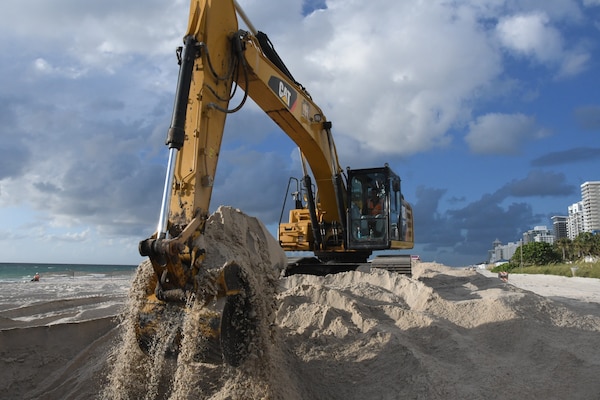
(444, 333)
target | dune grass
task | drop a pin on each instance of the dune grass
(583, 269)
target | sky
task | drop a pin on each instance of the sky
(489, 110)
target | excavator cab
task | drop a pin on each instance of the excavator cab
(378, 217)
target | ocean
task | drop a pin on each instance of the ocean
(72, 283)
(24, 272)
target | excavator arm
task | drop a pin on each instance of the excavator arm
(216, 59)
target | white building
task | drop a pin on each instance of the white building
(590, 198)
(502, 252)
(575, 220)
(539, 234)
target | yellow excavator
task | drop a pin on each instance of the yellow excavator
(339, 216)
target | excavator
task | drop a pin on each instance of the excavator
(339, 216)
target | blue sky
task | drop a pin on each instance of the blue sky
(489, 110)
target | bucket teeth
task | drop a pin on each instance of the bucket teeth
(225, 322)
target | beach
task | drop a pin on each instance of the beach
(442, 333)
(55, 334)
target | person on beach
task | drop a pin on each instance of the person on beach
(36, 278)
(503, 275)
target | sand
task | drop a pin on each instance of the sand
(444, 333)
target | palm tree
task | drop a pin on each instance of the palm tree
(564, 245)
(596, 244)
(584, 243)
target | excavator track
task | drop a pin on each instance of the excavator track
(314, 266)
(401, 264)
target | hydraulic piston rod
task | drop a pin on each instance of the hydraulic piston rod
(161, 229)
(176, 133)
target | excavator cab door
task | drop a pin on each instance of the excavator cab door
(375, 212)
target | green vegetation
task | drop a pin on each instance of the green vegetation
(586, 270)
(557, 259)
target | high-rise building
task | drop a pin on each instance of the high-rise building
(590, 197)
(559, 223)
(575, 220)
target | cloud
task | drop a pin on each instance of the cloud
(588, 117)
(102, 36)
(539, 183)
(14, 157)
(258, 190)
(570, 156)
(69, 237)
(90, 171)
(502, 133)
(14, 152)
(533, 35)
(471, 229)
(384, 79)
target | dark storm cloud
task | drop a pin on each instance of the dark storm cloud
(87, 146)
(97, 171)
(588, 117)
(14, 153)
(46, 187)
(540, 183)
(254, 182)
(435, 228)
(470, 230)
(483, 221)
(577, 154)
(14, 157)
(114, 188)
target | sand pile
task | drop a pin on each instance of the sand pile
(445, 333)
(230, 236)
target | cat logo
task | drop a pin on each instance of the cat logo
(284, 91)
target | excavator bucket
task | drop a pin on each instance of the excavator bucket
(224, 318)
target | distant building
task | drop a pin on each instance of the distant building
(538, 234)
(583, 216)
(590, 198)
(575, 220)
(559, 223)
(502, 252)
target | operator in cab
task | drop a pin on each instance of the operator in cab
(374, 204)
